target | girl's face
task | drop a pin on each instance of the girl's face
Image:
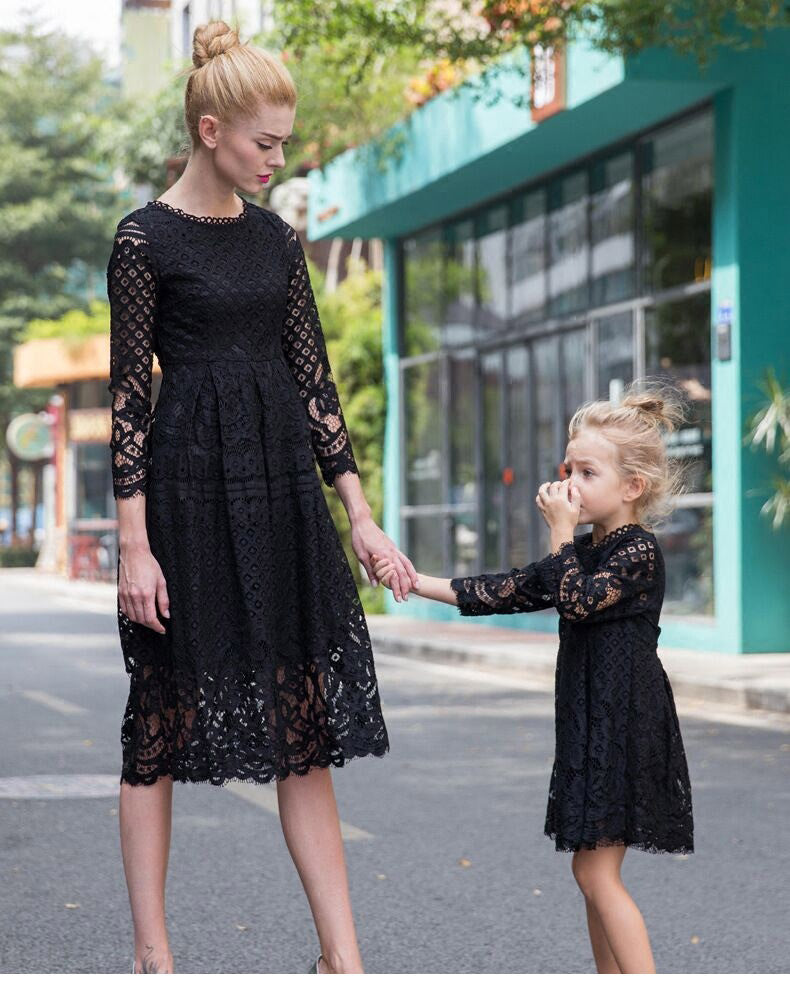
(248, 152)
(591, 464)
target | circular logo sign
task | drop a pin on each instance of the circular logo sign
(29, 437)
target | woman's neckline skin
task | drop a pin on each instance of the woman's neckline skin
(210, 219)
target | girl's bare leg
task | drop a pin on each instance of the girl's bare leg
(145, 820)
(598, 874)
(308, 814)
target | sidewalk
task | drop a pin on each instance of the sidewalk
(746, 681)
(738, 682)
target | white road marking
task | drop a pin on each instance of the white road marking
(265, 797)
(64, 641)
(59, 786)
(52, 702)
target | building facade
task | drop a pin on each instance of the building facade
(630, 223)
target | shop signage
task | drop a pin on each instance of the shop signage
(29, 437)
(547, 82)
(90, 425)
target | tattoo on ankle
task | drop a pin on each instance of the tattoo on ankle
(150, 965)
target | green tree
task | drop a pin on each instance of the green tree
(351, 321)
(769, 432)
(58, 203)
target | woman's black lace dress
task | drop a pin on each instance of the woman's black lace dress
(620, 773)
(265, 668)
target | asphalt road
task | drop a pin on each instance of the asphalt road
(449, 868)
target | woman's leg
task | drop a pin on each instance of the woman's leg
(308, 814)
(598, 874)
(602, 953)
(145, 820)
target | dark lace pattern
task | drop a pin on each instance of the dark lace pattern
(266, 666)
(620, 774)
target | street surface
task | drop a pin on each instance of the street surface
(449, 868)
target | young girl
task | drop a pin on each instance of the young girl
(620, 777)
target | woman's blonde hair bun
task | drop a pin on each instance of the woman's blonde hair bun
(212, 40)
(229, 79)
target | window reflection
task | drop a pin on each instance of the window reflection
(422, 279)
(460, 311)
(615, 354)
(491, 373)
(612, 229)
(677, 346)
(677, 167)
(519, 489)
(529, 255)
(423, 434)
(424, 534)
(687, 544)
(492, 270)
(463, 422)
(568, 246)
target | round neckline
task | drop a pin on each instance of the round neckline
(615, 531)
(216, 220)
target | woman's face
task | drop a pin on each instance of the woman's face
(591, 464)
(248, 152)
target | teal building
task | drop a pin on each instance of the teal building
(634, 221)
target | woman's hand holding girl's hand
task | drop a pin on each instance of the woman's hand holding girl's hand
(384, 569)
(559, 504)
(141, 586)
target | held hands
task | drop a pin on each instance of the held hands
(559, 504)
(386, 572)
(370, 543)
(141, 586)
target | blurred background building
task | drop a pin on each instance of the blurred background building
(628, 223)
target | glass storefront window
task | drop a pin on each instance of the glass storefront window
(568, 244)
(424, 538)
(677, 184)
(574, 365)
(519, 491)
(528, 250)
(677, 347)
(686, 541)
(492, 274)
(463, 424)
(422, 280)
(422, 400)
(460, 284)
(491, 375)
(612, 229)
(614, 336)
(94, 482)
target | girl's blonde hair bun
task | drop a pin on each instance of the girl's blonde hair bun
(212, 40)
(656, 405)
(637, 426)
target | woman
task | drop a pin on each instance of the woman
(241, 627)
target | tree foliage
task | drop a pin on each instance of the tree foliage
(58, 203)
(351, 321)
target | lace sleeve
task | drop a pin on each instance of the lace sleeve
(131, 289)
(305, 352)
(624, 586)
(518, 590)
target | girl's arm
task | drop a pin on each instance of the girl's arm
(518, 590)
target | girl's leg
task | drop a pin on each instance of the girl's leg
(145, 821)
(308, 814)
(598, 874)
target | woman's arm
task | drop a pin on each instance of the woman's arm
(132, 292)
(305, 352)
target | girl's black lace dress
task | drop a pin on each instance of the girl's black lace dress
(265, 668)
(620, 773)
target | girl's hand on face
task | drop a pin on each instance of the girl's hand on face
(559, 503)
